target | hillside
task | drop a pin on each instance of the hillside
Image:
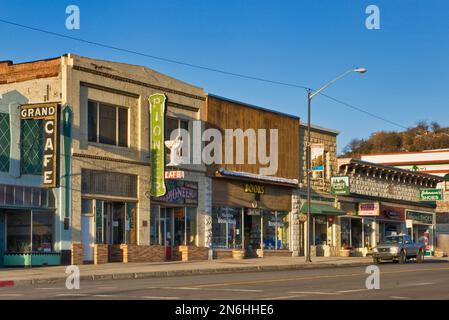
(421, 137)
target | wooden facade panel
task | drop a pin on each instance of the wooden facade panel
(224, 114)
(232, 193)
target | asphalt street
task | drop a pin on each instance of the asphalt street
(429, 280)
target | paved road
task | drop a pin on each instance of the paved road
(410, 281)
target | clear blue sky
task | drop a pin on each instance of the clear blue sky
(303, 42)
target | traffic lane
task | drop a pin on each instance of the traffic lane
(339, 283)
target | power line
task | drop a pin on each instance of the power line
(103, 45)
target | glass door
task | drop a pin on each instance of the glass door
(166, 231)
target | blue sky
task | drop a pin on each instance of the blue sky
(302, 42)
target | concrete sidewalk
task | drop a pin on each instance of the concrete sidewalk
(42, 275)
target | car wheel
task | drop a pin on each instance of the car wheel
(376, 260)
(420, 256)
(402, 257)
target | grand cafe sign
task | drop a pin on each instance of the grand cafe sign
(48, 112)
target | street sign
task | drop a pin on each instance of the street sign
(430, 194)
(340, 185)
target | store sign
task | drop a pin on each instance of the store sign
(253, 212)
(317, 156)
(226, 217)
(430, 194)
(340, 185)
(174, 174)
(48, 112)
(157, 153)
(254, 188)
(302, 217)
(423, 217)
(179, 192)
(392, 213)
(321, 219)
(369, 209)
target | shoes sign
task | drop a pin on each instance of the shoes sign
(49, 113)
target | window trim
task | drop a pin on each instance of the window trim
(117, 129)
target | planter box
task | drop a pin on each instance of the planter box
(238, 254)
(345, 253)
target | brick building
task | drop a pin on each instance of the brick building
(100, 210)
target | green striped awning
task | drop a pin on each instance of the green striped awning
(322, 209)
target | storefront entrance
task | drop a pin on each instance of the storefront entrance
(252, 232)
(107, 222)
(172, 227)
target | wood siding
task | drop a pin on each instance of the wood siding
(231, 193)
(224, 114)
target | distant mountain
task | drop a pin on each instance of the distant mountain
(421, 137)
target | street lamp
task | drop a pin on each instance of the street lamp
(310, 95)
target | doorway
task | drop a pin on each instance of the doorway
(252, 232)
(87, 235)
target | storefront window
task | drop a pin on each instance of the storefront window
(226, 227)
(275, 230)
(356, 233)
(18, 230)
(368, 233)
(180, 225)
(154, 225)
(29, 232)
(177, 221)
(345, 224)
(42, 231)
(191, 226)
(320, 232)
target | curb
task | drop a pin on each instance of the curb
(191, 272)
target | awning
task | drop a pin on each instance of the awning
(322, 209)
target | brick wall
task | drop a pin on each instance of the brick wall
(10, 72)
(101, 253)
(144, 253)
(192, 253)
(115, 253)
(77, 255)
(222, 254)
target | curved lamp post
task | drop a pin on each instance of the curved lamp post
(310, 95)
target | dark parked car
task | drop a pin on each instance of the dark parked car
(398, 248)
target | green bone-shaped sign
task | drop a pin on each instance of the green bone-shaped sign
(157, 156)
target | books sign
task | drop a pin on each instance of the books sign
(48, 112)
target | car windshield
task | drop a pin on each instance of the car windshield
(393, 239)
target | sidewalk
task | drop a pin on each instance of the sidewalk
(111, 271)
(41, 275)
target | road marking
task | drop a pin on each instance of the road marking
(418, 284)
(71, 295)
(160, 298)
(11, 295)
(284, 297)
(48, 288)
(206, 289)
(397, 297)
(353, 290)
(106, 288)
(105, 296)
(316, 292)
(312, 277)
